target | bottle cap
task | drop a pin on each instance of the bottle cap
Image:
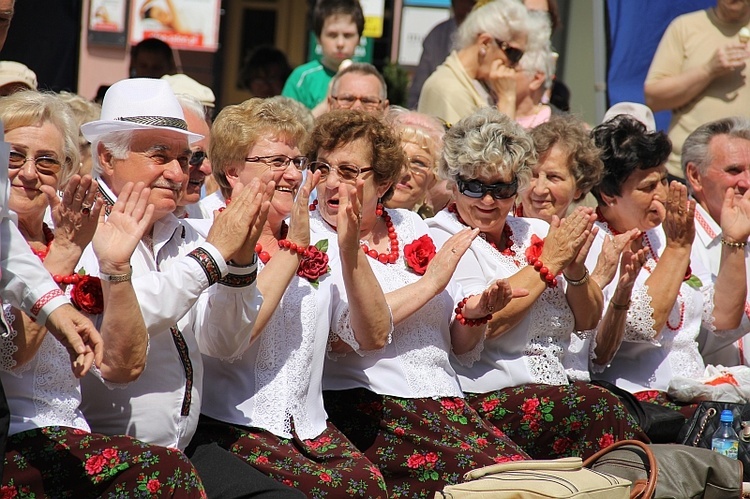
(727, 416)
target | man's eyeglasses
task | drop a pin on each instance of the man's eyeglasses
(45, 165)
(280, 161)
(513, 54)
(346, 172)
(346, 101)
(477, 190)
(197, 159)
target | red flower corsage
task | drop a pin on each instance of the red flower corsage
(534, 251)
(87, 294)
(419, 254)
(315, 263)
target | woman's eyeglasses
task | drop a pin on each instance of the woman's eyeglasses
(513, 54)
(46, 165)
(280, 161)
(346, 172)
(477, 190)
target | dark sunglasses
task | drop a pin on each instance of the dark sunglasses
(197, 158)
(512, 53)
(477, 190)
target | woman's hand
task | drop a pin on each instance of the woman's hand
(630, 265)
(735, 217)
(494, 298)
(609, 256)
(679, 224)
(442, 266)
(567, 238)
(118, 235)
(76, 216)
(502, 78)
(299, 222)
(349, 216)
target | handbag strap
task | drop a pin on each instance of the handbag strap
(652, 469)
(707, 416)
(561, 464)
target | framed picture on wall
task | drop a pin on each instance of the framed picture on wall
(183, 24)
(108, 22)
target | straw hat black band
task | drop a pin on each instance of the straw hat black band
(156, 121)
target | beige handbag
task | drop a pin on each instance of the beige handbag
(558, 478)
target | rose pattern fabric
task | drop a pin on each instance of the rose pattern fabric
(419, 253)
(324, 467)
(420, 445)
(549, 422)
(38, 463)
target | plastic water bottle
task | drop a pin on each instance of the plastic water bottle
(725, 440)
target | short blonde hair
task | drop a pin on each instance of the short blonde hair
(32, 108)
(238, 127)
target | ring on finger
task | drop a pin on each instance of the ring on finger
(490, 308)
(86, 208)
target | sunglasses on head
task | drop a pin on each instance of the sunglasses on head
(477, 190)
(512, 53)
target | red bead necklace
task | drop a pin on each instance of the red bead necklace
(284, 243)
(49, 236)
(384, 258)
(507, 235)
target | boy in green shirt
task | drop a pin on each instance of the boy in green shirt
(338, 25)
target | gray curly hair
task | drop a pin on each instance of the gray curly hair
(486, 143)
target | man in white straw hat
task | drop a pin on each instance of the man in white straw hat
(198, 296)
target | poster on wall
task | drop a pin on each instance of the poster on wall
(183, 24)
(108, 22)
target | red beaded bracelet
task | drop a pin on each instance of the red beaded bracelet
(293, 247)
(66, 279)
(549, 277)
(469, 322)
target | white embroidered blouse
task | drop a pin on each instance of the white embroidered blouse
(531, 352)
(416, 363)
(642, 362)
(277, 381)
(42, 392)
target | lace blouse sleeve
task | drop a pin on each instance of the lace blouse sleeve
(7, 344)
(639, 325)
(341, 329)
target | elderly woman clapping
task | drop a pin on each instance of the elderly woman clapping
(518, 382)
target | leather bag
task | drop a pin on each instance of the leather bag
(682, 472)
(699, 429)
(537, 479)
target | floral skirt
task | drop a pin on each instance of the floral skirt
(662, 398)
(550, 422)
(65, 462)
(420, 445)
(326, 466)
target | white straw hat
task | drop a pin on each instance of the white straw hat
(139, 104)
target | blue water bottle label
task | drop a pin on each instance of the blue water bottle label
(729, 448)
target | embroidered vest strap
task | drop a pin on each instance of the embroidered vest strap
(187, 365)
